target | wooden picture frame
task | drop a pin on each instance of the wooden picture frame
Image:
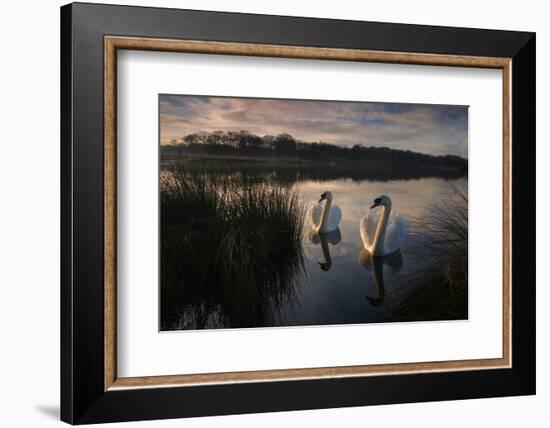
(91, 390)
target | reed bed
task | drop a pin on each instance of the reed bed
(443, 290)
(230, 250)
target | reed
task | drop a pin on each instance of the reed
(443, 290)
(230, 250)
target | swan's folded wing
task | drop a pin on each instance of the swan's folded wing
(315, 214)
(367, 227)
(395, 232)
(334, 216)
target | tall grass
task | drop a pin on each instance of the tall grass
(230, 250)
(443, 291)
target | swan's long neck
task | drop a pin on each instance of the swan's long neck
(324, 216)
(378, 248)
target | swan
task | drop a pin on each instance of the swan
(381, 230)
(325, 217)
(324, 239)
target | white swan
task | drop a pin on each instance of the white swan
(325, 217)
(381, 230)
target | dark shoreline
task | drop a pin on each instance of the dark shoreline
(300, 169)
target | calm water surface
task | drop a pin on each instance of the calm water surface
(352, 290)
(340, 284)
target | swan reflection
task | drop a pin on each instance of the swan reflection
(378, 265)
(334, 237)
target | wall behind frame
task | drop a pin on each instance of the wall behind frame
(29, 219)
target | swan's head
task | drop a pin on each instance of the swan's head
(326, 195)
(383, 200)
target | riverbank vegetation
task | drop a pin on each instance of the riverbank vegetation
(246, 144)
(230, 249)
(442, 290)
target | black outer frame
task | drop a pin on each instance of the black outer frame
(83, 399)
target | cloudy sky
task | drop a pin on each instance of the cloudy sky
(433, 129)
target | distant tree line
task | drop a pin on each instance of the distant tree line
(284, 145)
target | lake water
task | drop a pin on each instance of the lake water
(353, 291)
(340, 284)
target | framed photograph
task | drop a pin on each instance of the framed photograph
(266, 213)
